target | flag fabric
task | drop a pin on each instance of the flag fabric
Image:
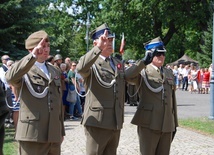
(113, 43)
(122, 45)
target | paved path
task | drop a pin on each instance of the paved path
(186, 142)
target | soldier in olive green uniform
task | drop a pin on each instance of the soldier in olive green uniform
(4, 111)
(156, 115)
(104, 78)
(40, 128)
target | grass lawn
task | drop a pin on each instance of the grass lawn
(10, 145)
(201, 125)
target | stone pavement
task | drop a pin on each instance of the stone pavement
(186, 142)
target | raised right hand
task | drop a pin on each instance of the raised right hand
(39, 49)
(102, 41)
(149, 55)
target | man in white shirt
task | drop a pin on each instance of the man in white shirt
(3, 70)
(185, 73)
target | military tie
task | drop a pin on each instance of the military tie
(161, 71)
(111, 62)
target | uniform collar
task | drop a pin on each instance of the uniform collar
(39, 64)
(155, 67)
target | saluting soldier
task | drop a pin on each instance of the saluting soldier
(40, 128)
(156, 115)
(104, 78)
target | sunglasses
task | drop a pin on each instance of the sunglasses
(158, 54)
(7, 59)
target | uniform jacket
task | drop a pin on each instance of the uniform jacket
(4, 110)
(40, 119)
(157, 111)
(104, 107)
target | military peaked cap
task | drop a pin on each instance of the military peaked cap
(96, 33)
(156, 44)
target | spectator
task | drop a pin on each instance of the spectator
(180, 77)
(176, 76)
(15, 95)
(206, 80)
(57, 60)
(200, 79)
(3, 69)
(72, 84)
(81, 90)
(193, 78)
(185, 73)
(68, 62)
(64, 78)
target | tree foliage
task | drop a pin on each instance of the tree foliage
(144, 20)
(180, 24)
(205, 57)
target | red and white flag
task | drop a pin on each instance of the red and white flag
(122, 45)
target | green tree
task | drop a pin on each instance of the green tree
(143, 20)
(205, 57)
(65, 29)
(18, 18)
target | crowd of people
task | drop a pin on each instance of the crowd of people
(192, 78)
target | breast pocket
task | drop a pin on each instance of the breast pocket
(106, 76)
(171, 83)
(57, 83)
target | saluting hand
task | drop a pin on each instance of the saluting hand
(102, 41)
(149, 55)
(39, 49)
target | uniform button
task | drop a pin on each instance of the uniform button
(51, 108)
(27, 117)
(50, 92)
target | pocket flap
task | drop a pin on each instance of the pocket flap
(170, 81)
(147, 107)
(57, 82)
(27, 116)
(96, 108)
(37, 80)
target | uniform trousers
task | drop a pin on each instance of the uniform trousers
(35, 148)
(154, 142)
(101, 141)
(2, 133)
